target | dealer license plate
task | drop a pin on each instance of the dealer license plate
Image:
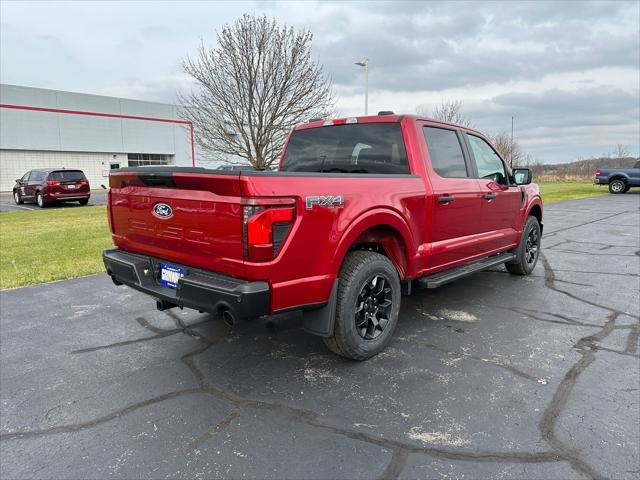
(169, 275)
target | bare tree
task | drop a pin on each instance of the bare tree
(253, 88)
(621, 151)
(447, 111)
(511, 152)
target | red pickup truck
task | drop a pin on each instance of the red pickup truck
(358, 210)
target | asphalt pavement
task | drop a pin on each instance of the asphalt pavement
(494, 376)
(98, 197)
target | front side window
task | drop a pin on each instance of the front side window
(445, 152)
(351, 148)
(489, 164)
(25, 177)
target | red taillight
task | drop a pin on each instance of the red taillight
(109, 211)
(53, 182)
(266, 227)
(597, 172)
(84, 182)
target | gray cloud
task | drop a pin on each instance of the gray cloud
(439, 48)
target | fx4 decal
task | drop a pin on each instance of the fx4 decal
(331, 201)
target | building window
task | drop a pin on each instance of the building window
(143, 159)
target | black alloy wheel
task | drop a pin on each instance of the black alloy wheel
(531, 246)
(373, 307)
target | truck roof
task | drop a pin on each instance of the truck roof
(388, 118)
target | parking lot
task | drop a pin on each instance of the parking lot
(494, 376)
(98, 197)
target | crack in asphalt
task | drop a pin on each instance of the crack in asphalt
(224, 423)
(75, 427)
(632, 339)
(145, 323)
(577, 252)
(550, 279)
(587, 347)
(159, 333)
(463, 355)
(619, 352)
(621, 274)
(555, 232)
(126, 342)
(395, 467)
(563, 319)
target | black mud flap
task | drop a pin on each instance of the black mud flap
(321, 321)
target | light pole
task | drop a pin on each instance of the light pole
(365, 63)
(511, 147)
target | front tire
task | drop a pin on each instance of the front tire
(617, 186)
(16, 198)
(529, 249)
(367, 306)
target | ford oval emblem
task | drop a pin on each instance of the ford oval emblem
(162, 210)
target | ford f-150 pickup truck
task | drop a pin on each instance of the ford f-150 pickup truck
(359, 210)
(620, 180)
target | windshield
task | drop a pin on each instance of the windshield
(67, 175)
(354, 148)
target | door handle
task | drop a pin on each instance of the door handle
(445, 199)
(489, 196)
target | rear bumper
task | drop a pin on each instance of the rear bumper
(52, 197)
(198, 289)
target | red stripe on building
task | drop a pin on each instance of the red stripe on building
(110, 115)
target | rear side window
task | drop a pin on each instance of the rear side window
(445, 152)
(37, 176)
(67, 175)
(354, 148)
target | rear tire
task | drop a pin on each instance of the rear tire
(367, 306)
(40, 200)
(617, 186)
(529, 249)
(84, 201)
(16, 198)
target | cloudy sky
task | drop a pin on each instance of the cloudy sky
(568, 72)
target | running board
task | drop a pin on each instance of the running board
(438, 279)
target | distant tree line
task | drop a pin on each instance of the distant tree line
(451, 111)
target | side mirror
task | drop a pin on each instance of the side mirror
(522, 176)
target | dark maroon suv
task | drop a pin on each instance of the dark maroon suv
(45, 186)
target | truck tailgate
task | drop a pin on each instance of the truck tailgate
(182, 216)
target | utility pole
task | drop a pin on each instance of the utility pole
(511, 147)
(365, 63)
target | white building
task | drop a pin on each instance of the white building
(49, 128)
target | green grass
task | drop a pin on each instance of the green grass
(45, 245)
(558, 191)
